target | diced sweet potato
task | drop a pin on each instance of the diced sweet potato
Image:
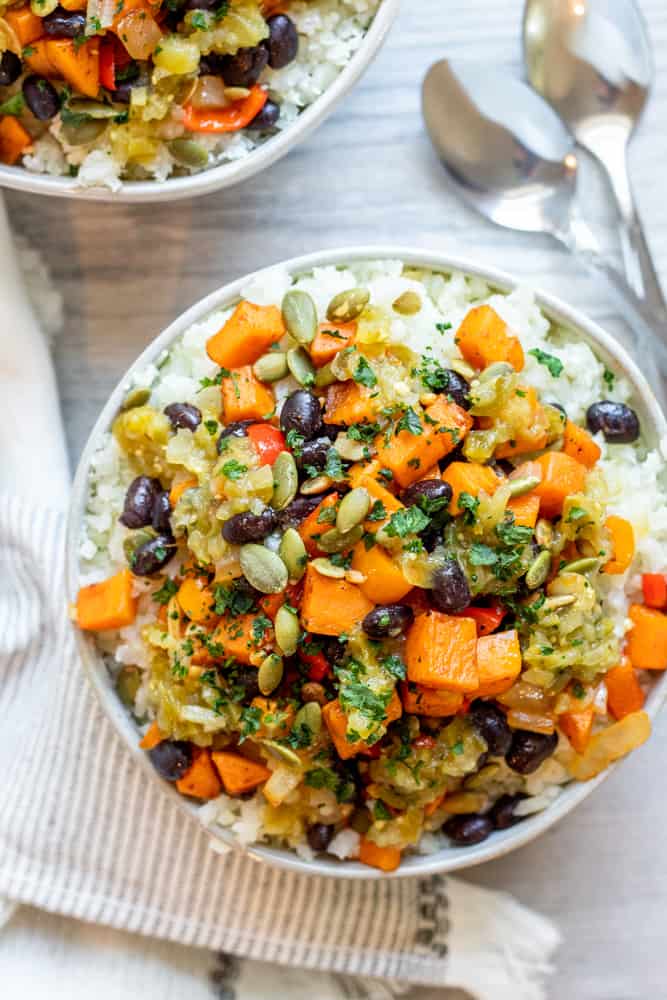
(530, 420)
(151, 737)
(560, 476)
(379, 495)
(384, 583)
(578, 727)
(444, 425)
(27, 26)
(276, 717)
(201, 780)
(14, 139)
(471, 478)
(441, 652)
(38, 60)
(498, 662)
(108, 604)
(623, 544)
(196, 600)
(526, 510)
(579, 445)
(244, 397)
(313, 527)
(387, 859)
(335, 720)
(647, 640)
(239, 775)
(350, 403)
(78, 64)
(247, 334)
(331, 338)
(482, 339)
(330, 606)
(239, 638)
(420, 700)
(624, 692)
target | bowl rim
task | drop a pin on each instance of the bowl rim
(448, 859)
(224, 175)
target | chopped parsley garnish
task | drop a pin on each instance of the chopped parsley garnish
(333, 467)
(457, 749)
(378, 512)
(395, 666)
(233, 469)
(322, 777)
(552, 364)
(211, 426)
(199, 20)
(260, 625)
(609, 379)
(443, 327)
(340, 560)
(408, 521)
(576, 514)
(409, 422)
(251, 720)
(510, 533)
(547, 650)
(168, 589)
(232, 599)
(578, 690)
(365, 432)
(206, 383)
(294, 441)
(356, 695)
(468, 505)
(364, 374)
(483, 555)
(299, 737)
(13, 105)
(432, 375)
(380, 811)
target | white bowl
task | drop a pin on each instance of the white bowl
(226, 174)
(450, 858)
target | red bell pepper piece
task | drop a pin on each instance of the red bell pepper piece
(108, 63)
(229, 119)
(486, 619)
(654, 586)
(268, 442)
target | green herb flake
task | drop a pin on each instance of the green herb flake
(407, 521)
(233, 469)
(552, 364)
(364, 374)
(165, 593)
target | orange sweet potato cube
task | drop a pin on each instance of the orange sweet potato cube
(244, 397)
(443, 426)
(330, 606)
(441, 652)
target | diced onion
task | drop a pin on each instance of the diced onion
(209, 93)
(611, 743)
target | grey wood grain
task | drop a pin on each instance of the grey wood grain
(368, 175)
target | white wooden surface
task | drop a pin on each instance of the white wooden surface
(369, 175)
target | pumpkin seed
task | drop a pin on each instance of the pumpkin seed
(326, 568)
(318, 484)
(300, 316)
(351, 451)
(463, 368)
(135, 397)
(344, 364)
(270, 673)
(293, 553)
(538, 570)
(544, 533)
(580, 566)
(287, 630)
(407, 304)
(480, 778)
(285, 480)
(337, 541)
(263, 569)
(236, 93)
(128, 682)
(284, 753)
(325, 376)
(310, 715)
(499, 369)
(353, 509)
(348, 305)
(94, 109)
(519, 487)
(560, 601)
(271, 367)
(188, 153)
(355, 576)
(301, 366)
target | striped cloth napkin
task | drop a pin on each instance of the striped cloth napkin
(84, 835)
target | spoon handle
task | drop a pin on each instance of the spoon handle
(649, 326)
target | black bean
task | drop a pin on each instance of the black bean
(529, 750)
(171, 758)
(61, 23)
(320, 836)
(297, 511)
(150, 557)
(41, 97)
(237, 429)
(201, 5)
(451, 592)
(333, 430)
(457, 388)
(246, 679)
(245, 68)
(313, 453)
(183, 415)
(242, 528)
(387, 620)
(10, 68)
(162, 513)
(491, 724)
(301, 413)
(139, 502)
(430, 537)
(618, 423)
(283, 41)
(468, 829)
(431, 495)
(502, 812)
(266, 118)
(211, 65)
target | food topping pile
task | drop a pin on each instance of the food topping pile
(372, 586)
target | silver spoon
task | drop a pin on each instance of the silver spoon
(591, 59)
(508, 154)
